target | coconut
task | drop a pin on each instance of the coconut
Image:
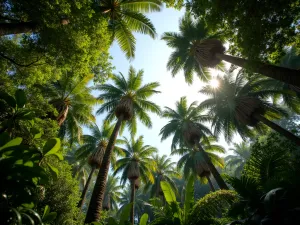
(137, 184)
(125, 108)
(95, 159)
(245, 108)
(202, 168)
(205, 52)
(133, 171)
(191, 134)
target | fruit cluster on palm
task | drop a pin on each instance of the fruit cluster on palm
(196, 47)
(120, 174)
(127, 100)
(186, 126)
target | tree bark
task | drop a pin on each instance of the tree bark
(132, 197)
(86, 187)
(277, 128)
(212, 168)
(95, 207)
(289, 76)
(18, 28)
(210, 184)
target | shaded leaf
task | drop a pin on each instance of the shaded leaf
(51, 146)
(20, 98)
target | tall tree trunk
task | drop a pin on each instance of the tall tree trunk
(210, 184)
(18, 28)
(85, 189)
(95, 207)
(212, 168)
(277, 128)
(132, 197)
(289, 76)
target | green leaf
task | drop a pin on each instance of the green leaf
(46, 211)
(53, 169)
(125, 213)
(20, 98)
(59, 155)
(8, 99)
(189, 197)
(51, 146)
(49, 217)
(14, 142)
(35, 214)
(28, 205)
(18, 215)
(29, 164)
(28, 218)
(168, 192)
(110, 221)
(144, 219)
(35, 133)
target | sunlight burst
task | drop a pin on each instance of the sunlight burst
(214, 83)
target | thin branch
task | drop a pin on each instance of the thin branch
(18, 64)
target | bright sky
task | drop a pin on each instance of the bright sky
(152, 56)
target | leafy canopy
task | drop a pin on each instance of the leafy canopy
(136, 152)
(223, 103)
(179, 120)
(133, 89)
(183, 43)
(256, 29)
(126, 17)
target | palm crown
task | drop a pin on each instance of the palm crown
(182, 120)
(191, 32)
(241, 155)
(137, 160)
(190, 156)
(132, 90)
(72, 98)
(125, 17)
(112, 193)
(234, 102)
(164, 171)
(97, 141)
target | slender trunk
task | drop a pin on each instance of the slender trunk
(212, 168)
(210, 184)
(132, 197)
(18, 28)
(95, 207)
(277, 128)
(289, 76)
(86, 187)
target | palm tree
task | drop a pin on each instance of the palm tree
(92, 151)
(193, 163)
(183, 43)
(236, 104)
(112, 195)
(128, 100)
(196, 47)
(140, 205)
(126, 17)
(135, 166)
(240, 157)
(186, 126)
(164, 171)
(290, 95)
(72, 98)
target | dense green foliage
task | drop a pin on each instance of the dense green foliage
(256, 29)
(54, 59)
